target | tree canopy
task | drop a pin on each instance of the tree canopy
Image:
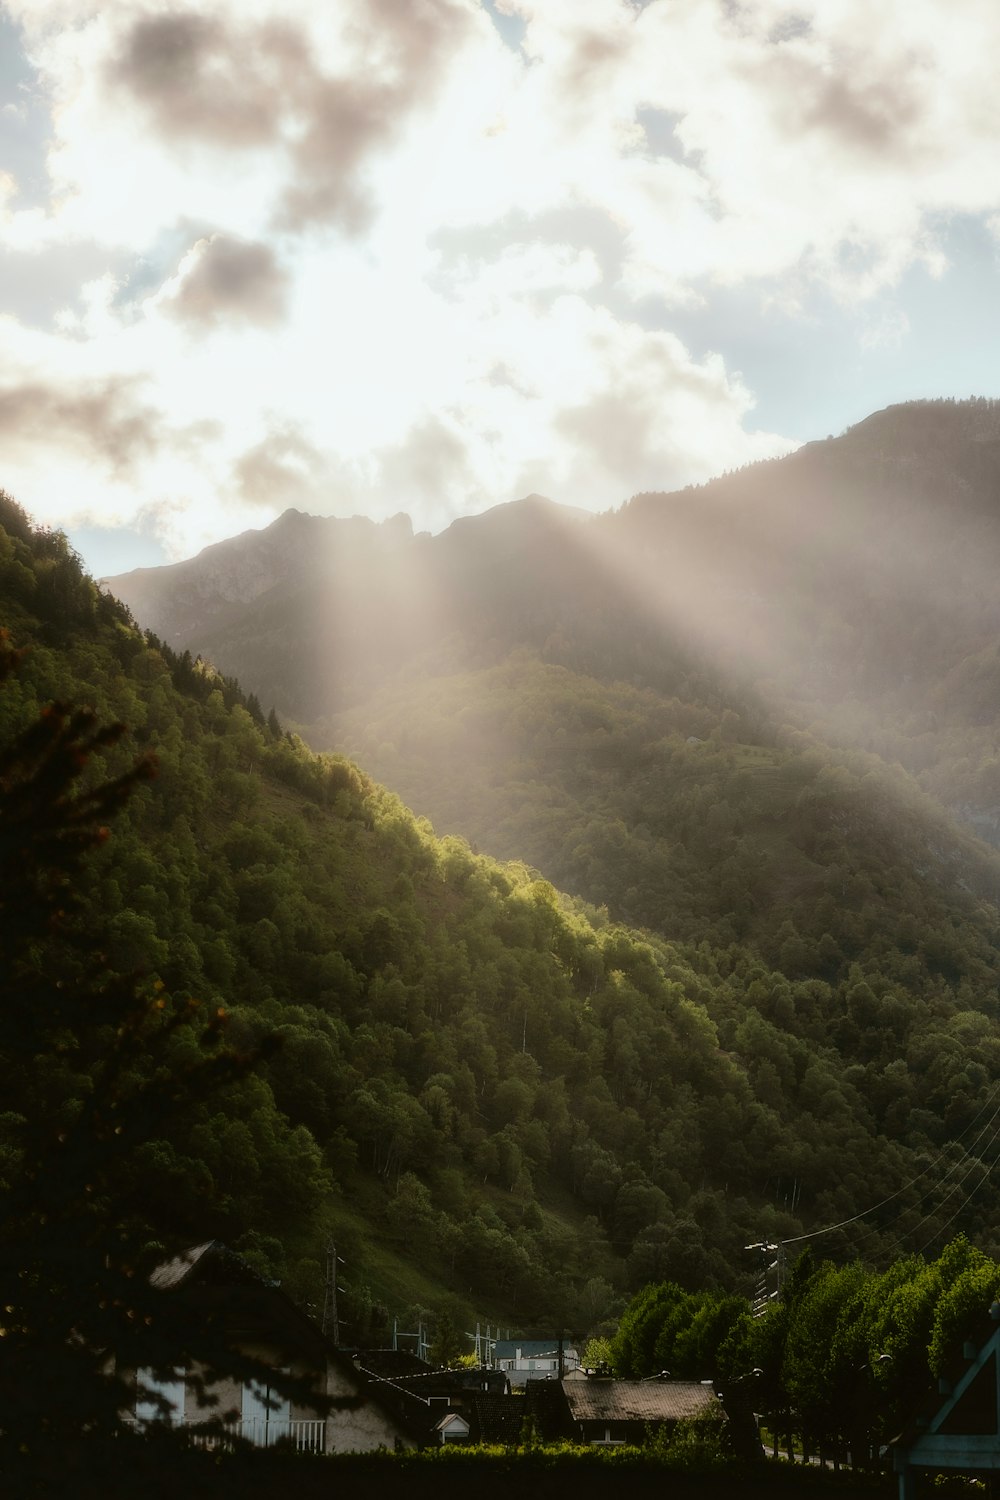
(494, 1096)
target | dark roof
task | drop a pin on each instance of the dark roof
(496, 1419)
(637, 1400)
(420, 1395)
(500, 1419)
(175, 1272)
(232, 1293)
(224, 1285)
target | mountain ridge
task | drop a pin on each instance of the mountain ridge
(498, 1094)
(848, 585)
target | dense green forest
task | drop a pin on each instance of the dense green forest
(501, 1101)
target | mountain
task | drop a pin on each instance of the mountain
(191, 600)
(849, 587)
(652, 705)
(497, 1098)
(317, 610)
(185, 602)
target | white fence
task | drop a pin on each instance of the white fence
(305, 1436)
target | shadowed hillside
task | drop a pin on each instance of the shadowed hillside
(676, 712)
(499, 1099)
(849, 588)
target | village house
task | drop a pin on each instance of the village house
(348, 1413)
(440, 1405)
(534, 1359)
(606, 1412)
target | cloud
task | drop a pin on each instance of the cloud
(348, 116)
(105, 418)
(286, 469)
(646, 415)
(323, 95)
(870, 118)
(223, 279)
(430, 472)
(36, 286)
(396, 262)
(799, 127)
(347, 119)
(200, 78)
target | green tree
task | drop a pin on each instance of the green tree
(96, 1066)
(449, 1345)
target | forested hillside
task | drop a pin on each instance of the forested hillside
(849, 587)
(498, 1098)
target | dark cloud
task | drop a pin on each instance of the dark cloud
(414, 38)
(202, 80)
(866, 116)
(406, 48)
(231, 279)
(107, 419)
(208, 82)
(874, 118)
(594, 55)
(619, 432)
(348, 120)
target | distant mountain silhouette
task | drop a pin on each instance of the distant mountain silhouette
(850, 585)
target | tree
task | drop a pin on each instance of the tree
(650, 1311)
(96, 1065)
(821, 1387)
(449, 1344)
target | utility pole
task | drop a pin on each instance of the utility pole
(484, 1344)
(762, 1298)
(331, 1319)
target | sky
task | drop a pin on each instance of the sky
(372, 256)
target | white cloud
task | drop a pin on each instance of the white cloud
(414, 267)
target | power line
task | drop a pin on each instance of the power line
(966, 1154)
(975, 1162)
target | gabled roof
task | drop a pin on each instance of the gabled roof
(959, 1427)
(175, 1272)
(237, 1298)
(212, 1277)
(600, 1400)
(452, 1421)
